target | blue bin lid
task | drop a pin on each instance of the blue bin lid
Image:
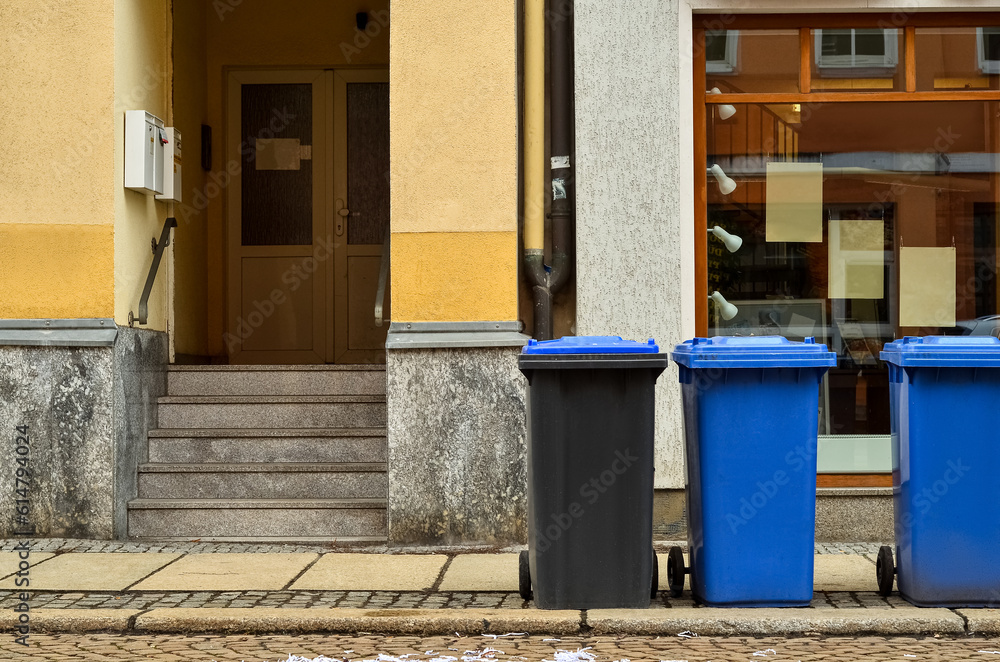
(591, 345)
(943, 351)
(752, 352)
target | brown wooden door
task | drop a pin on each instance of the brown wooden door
(276, 213)
(361, 208)
(307, 213)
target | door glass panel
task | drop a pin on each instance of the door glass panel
(861, 223)
(367, 162)
(958, 58)
(276, 177)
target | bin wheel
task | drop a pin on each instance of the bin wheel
(676, 571)
(524, 576)
(656, 577)
(885, 570)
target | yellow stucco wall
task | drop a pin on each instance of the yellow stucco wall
(454, 276)
(52, 270)
(57, 164)
(290, 34)
(454, 158)
(142, 79)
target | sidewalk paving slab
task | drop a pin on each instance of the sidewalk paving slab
(712, 621)
(482, 572)
(226, 572)
(9, 561)
(372, 572)
(843, 573)
(71, 621)
(376, 621)
(92, 572)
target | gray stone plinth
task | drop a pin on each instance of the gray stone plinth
(862, 514)
(456, 426)
(859, 514)
(63, 396)
(87, 410)
(140, 362)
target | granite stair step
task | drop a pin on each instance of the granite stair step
(270, 411)
(276, 380)
(260, 480)
(241, 445)
(257, 519)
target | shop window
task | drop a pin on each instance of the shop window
(864, 217)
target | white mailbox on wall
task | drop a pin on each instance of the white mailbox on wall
(171, 166)
(144, 142)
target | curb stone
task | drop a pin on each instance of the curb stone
(705, 621)
(380, 621)
(772, 621)
(72, 621)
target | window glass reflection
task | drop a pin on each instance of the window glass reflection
(860, 223)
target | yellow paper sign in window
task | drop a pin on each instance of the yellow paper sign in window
(856, 260)
(794, 210)
(927, 287)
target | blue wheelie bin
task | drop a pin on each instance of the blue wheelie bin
(751, 416)
(945, 409)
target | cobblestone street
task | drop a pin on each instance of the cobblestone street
(247, 648)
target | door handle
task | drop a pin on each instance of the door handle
(342, 213)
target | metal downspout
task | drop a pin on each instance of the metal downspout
(548, 279)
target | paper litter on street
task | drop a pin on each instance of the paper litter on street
(573, 656)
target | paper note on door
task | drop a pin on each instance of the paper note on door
(856, 261)
(278, 154)
(927, 287)
(794, 208)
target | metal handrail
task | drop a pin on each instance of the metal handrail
(383, 279)
(158, 248)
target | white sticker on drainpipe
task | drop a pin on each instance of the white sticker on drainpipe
(558, 189)
(560, 162)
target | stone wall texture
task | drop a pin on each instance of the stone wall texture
(87, 410)
(457, 453)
